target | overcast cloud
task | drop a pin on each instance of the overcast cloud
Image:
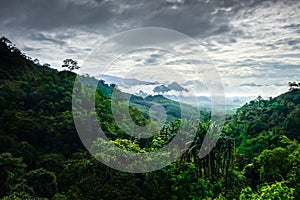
(255, 44)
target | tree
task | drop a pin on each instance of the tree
(11, 171)
(276, 191)
(294, 85)
(36, 61)
(19, 196)
(6, 41)
(46, 65)
(274, 164)
(70, 64)
(43, 182)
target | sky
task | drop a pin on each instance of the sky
(253, 46)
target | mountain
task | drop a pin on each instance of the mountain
(124, 82)
(161, 89)
(262, 123)
(176, 87)
(14, 64)
(173, 86)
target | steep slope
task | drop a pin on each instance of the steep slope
(36, 104)
(261, 123)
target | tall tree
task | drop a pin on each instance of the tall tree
(70, 64)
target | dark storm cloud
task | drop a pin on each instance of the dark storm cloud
(47, 15)
(192, 17)
(189, 17)
(197, 18)
(189, 20)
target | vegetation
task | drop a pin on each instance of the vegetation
(70, 64)
(42, 157)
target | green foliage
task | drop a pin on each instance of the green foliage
(274, 164)
(11, 171)
(276, 191)
(51, 162)
(261, 123)
(19, 196)
(42, 157)
(43, 182)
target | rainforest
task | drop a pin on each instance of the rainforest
(42, 157)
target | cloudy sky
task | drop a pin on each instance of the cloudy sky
(254, 45)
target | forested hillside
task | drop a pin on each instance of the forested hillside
(42, 157)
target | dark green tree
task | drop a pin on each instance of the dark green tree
(70, 64)
(43, 182)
